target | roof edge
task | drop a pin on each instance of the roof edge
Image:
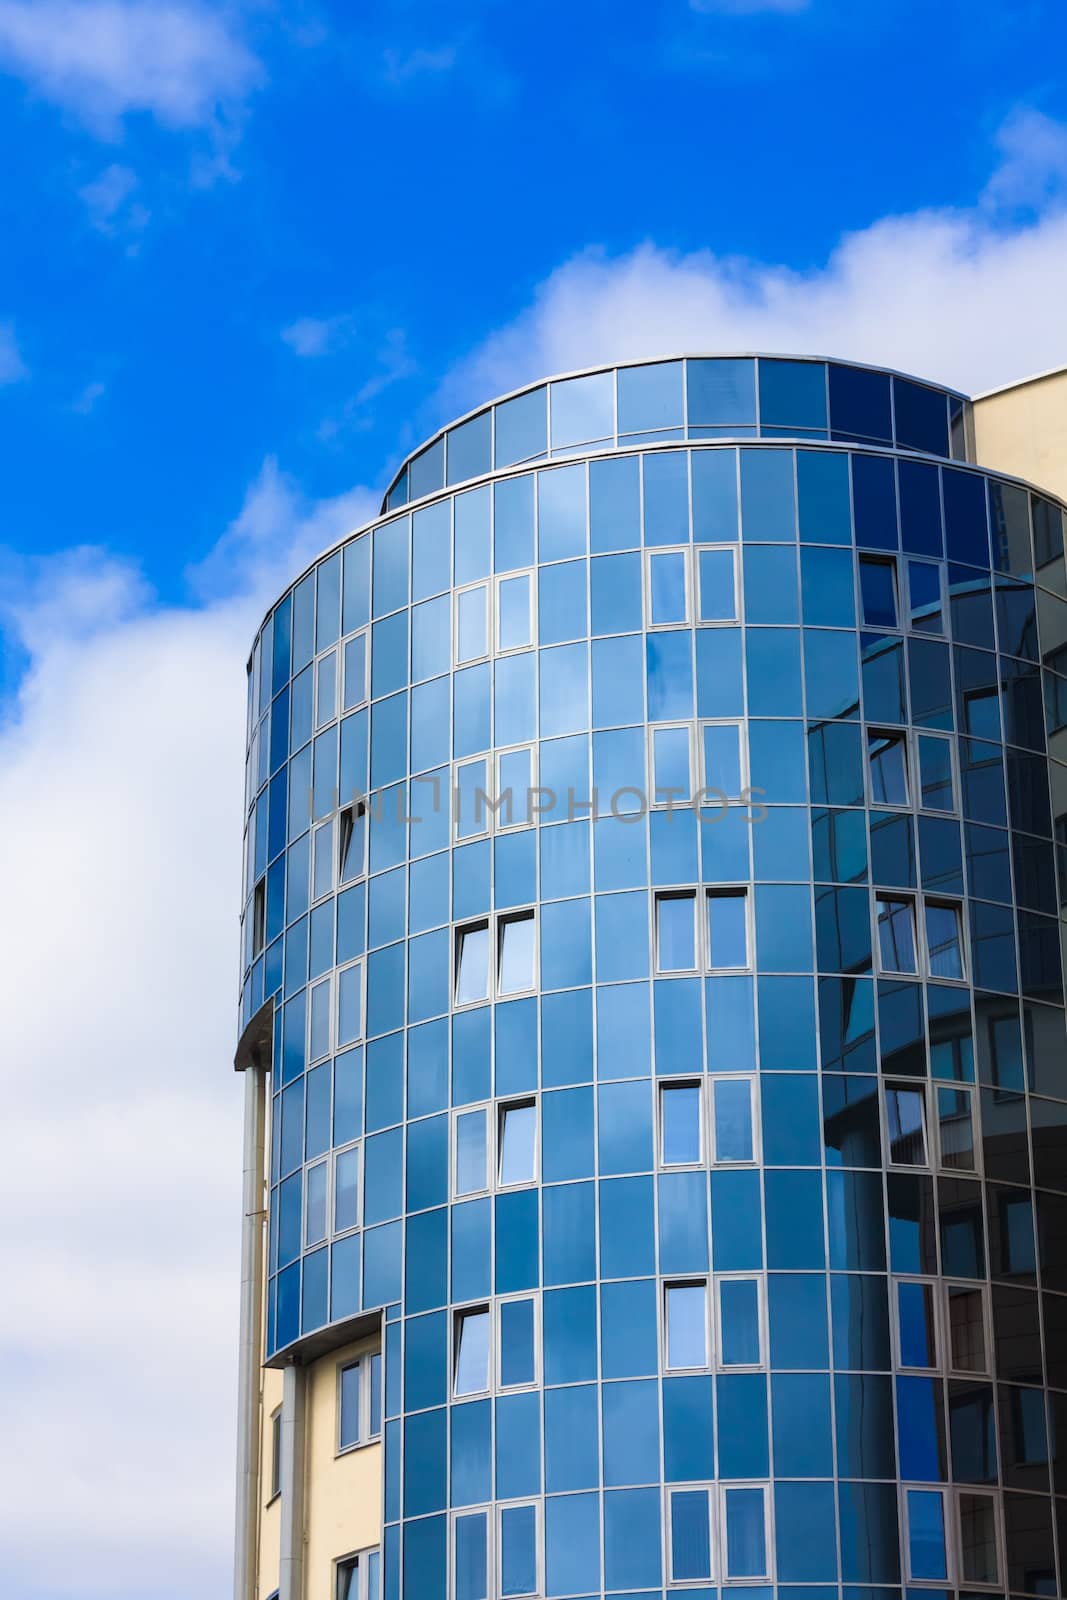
(1020, 383)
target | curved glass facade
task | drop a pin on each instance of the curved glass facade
(654, 866)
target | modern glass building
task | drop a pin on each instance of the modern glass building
(653, 1010)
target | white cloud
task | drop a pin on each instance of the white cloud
(400, 67)
(1033, 164)
(120, 818)
(318, 336)
(102, 59)
(12, 366)
(109, 201)
(85, 403)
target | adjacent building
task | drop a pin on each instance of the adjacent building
(653, 1007)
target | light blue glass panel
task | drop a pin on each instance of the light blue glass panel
(562, 612)
(572, 1544)
(513, 613)
(564, 860)
(716, 586)
(513, 523)
(356, 606)
(632, 1537)
(669, 673)
(627, 1227)
(771, 584)
(629, 1341)
(469, 448)
(614, 504)
(721, 392)
(582, 409)
(622, 937)
(618, 680)
(631, 1433)
(720, 685)
(772, 664)
(650, 397)
(473, 710)
(390, 567)
(666, 477)
(472, 1573)
(623, 1031)
(619, 772)
(431, 551)
(768, 510)
(521, 427)
(567, 1135)
(518, 1550)
(668, 588)
(561, 513)
(715, 503)
(564, 674)
(571, 1439)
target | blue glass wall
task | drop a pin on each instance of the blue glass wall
(693, 1105)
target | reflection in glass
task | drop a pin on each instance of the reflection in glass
(675, 933)
(346, 1190)
(978, 1539)
(739, 1322)
(887, 755)
(905, 1110)
(472, 633)
(943, 940)
(472, 1352)
(966, 1329)
(746, 1539)
(717, 585)
(935, 774)
(518, 1551)
(518, 1130)
(470, 1151)
(687, 1332)
(472, 964)
(722, 760)
(668, 601)
(728, 930)
(582, 409)
(670, 758)
(516, 954)
(732, 1119)
(916, 1325)
(955, 1129)
(896, 934)
(924, 585)
(878, 591)
(680, 1124)
(690, 1534)
(513, 613)
(926, 1534)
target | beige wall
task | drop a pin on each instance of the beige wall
(1023, 431)
(343, 1505)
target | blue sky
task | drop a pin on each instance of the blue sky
(249, 256)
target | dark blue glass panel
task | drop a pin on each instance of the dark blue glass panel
(860, 404)
(966, 519)
(569, 1234)
(805, 1534)
(800, 1407)
(870, 1549)
(614, 504)
(570, 1341)
(567, 1134)
(714, 490)
(792, 394)
(768, 508)
(921, 417)
(425, 1556)
(518, 1440)
(624, 1127)
(516, 1241)
(425, 1449)
(683, 1223)
(736, 1221)
(471, 1246)
(741, 1425)
(426, 1361)
(572, 1544)
(471, 1466)
(797, 1318)
(794, 1220)
(632, 1537)
(631, 1433)
(426, 1260)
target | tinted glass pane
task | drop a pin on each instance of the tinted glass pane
(470, 1152)
(905, 1111)
(675, 933)
(680, 1109)
(472, 1352)
(943, 941)
(516, 955)
(690, 1534)
(650, 397)
(728, 930)
(879, 594)
(516, 1342)
(732, 1112)
(722, 759)
(926, 1534)
(517, 1143)
(521, 428)
(667, 587)
(715, 570)
(518, 1550)
(513, 625)
(896, 935)
(472, 981)
(746, 1539)
(739, 1328)
(918, 1336)
(687, 1325)
(889, 770)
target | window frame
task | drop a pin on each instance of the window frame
(947, 1521)
(709, 1488)
(494, 924)
(896, 736)
(496, 1536)
(359, 1562)
(759, 1279)
(672, 801)
(258, 913)
(476, 1107)
(716, 1492)
(498, 581)
(659, 896)
(954, 904)
(916, 1086)
(529, 821)
(716, 622)
(503, 921)
(976, 1492)
(363, 1362)
(700, 897)
(496, 1358)
(940, 1294)
(767, 1576)
(324, 716)
(488, 1510)
(728, 891)
(275, 1479)
(714, 1158)
(353, 1148)
(485, 585)
(340, 1044)
(648, 554)
(932, 736)
(869, 558)
(461, 1314)
(708, 790)
(937, 1086)
(324, 1162)
(663, 1087)
(326, 848)
(346, 704)
(347, 816)
(897, 897)
(501, 1109)
(696, 1281)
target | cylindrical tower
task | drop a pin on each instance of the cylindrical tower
(653, 1010)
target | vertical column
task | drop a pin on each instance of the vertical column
(293, 1433)
(250, 1355)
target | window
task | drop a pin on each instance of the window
(516, 954)
(359, 1401)
(727, 926)
(668, 588)
(676, 933)
(346, 1189)
(924, 588)
(319, 1036)
(722, 751)
(515, 781)
(686, 1323)
(717, 585)
(472, 812)
(739, 1312)
(516, 1343)
(979, 1538)
(518, 1143)
(737, 1536)
(471, 1166)
(691, 1542)
(472, 624)
(518, 1551)
(944, 939)
(276, 1452)
(470, 1543)
(732, 1120)
(745, 1527)
(916, 1326)
(322, 881)
(315, 1203)
(937, 788)
(350, 1004)
(878, 592)
(927, 1555)
(905, 1108)
(259, 917)
(355, 691)
(887, 761)
(359, 1576)
(896, 934)
(326, 689)
(515, 957)
(352, 842)
(672, 782)
(955, 1129)
(514, 612)
(680, 1121)
(966, 1320)
(471, 1356)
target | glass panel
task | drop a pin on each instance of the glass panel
(935, 774)
(516, 955)
(667, 587)
(690, 1534)
(472, 1567)
(513, 614)
(924, 584)
(516, 1342)
(355, 671)
(943, 941)
(916, 1325)
(472, 636)
(722, 759)
(955, 1129)
(346, 1190)
(350, 1386)
(518, 1128)
(521, 428)
(353, 842)
(650, 397)
(675, 933)
(966, 1329)
(732, 1112)
(583, 409)
(472, 1352)
(889, 769)
(326, 692)
(671, 780)
(471, 812)
(727, 930)
(878, 590)
(375, 1386)
(978, 1539)
(680, 1123)
(746, 1538)
(687, 1333)
(315, 1221)
(348, 1580)
(896, 935)
(718, 599)
(472, 965)
(518, 1551)
(926, 1534)
(516, 778)
(739, 1328)
(906, 1120)
(470, 1152)
(322, 863)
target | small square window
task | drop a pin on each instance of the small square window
(668, 588)
(681, 1143)
(517, 954)
(905, 1107)
(944, 940)
(887, 760)
(717, 584)
(727, 929)
(676, 933)
(471, 1363)
(518, 1143)
(732, 1120)
(686, 1316)
(896, 934)
(514, 612)
(472, 963)
(878, 591)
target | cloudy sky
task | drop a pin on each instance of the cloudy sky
(251, 254)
